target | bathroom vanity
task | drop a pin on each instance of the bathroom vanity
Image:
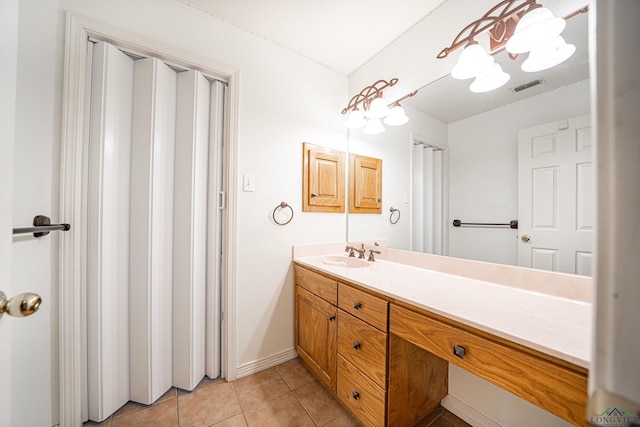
(381, 335)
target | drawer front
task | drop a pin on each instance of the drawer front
(556, 388)
(362, 396)
(364, 346)
(362, 305)
(317, 284)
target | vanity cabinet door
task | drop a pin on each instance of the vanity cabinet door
(316, 330)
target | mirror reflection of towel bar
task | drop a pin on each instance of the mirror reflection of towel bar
(512, 224)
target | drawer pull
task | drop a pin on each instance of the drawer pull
(356, 345)
(357, 305)
(332, 317)
(355, 395)
(459, 351)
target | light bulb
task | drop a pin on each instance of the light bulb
(472, 61)
(355, 120)
(491, 79)
(396, 117)
(378, 109)
(548, 55)
(535, 28)
(373, 127)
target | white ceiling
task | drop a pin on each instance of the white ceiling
(339, 34)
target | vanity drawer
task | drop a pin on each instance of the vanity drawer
(552, 386)
(322, 286)
(361, 395)
(362, 305)
(364, 346)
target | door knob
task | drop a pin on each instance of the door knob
(21, 305)
(525, 238)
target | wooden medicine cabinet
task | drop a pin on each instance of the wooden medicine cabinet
(365, 184)
(323, 183)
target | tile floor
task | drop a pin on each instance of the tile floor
(286, 395)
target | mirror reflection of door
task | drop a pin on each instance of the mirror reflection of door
(556, 196)
(428, 197)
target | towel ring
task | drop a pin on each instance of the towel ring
(391, 216)
(282, 205)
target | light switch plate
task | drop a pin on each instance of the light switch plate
(248, 183)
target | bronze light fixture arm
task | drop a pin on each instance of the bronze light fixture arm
(367, 94)
(507, 10)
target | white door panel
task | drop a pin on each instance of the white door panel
(556, 198)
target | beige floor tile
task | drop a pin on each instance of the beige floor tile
(295, 374)
(457, 422)
(259, 387)
(205, 382)
(347, 420)
(282, 411)
(129, 408)
(319, 403)
(235, 421)
(170, 394)
(164, 414)
(208, 405)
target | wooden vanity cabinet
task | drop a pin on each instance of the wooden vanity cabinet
(341, 333)
(316, 325)
(362, 354)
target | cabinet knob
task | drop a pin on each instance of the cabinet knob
(314, 195)
(356, 345)
(332, 317)
(357, 305)
(355, 395)
(459, 351)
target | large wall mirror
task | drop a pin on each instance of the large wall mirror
(458, 158)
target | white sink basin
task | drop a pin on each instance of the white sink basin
(344, 261)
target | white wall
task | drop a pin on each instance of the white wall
(393, 146)
(483, 170)
(284, 100)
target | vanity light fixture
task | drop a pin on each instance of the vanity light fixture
(517, 27)
(368, 109)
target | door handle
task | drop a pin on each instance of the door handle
(21, 305)
(525, 238)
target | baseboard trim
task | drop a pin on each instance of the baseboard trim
(265, 363)
(467, 413)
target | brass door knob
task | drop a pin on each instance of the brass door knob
(525, 238)
(21, 305)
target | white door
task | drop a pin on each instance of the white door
(9, 33)
(556, 196)
(17, 335)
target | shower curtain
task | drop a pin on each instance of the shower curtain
(427, 187)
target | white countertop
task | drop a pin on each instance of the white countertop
(560, 327)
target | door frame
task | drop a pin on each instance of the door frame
(75, 124)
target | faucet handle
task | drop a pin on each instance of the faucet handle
(350, 249)
(371, 252)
